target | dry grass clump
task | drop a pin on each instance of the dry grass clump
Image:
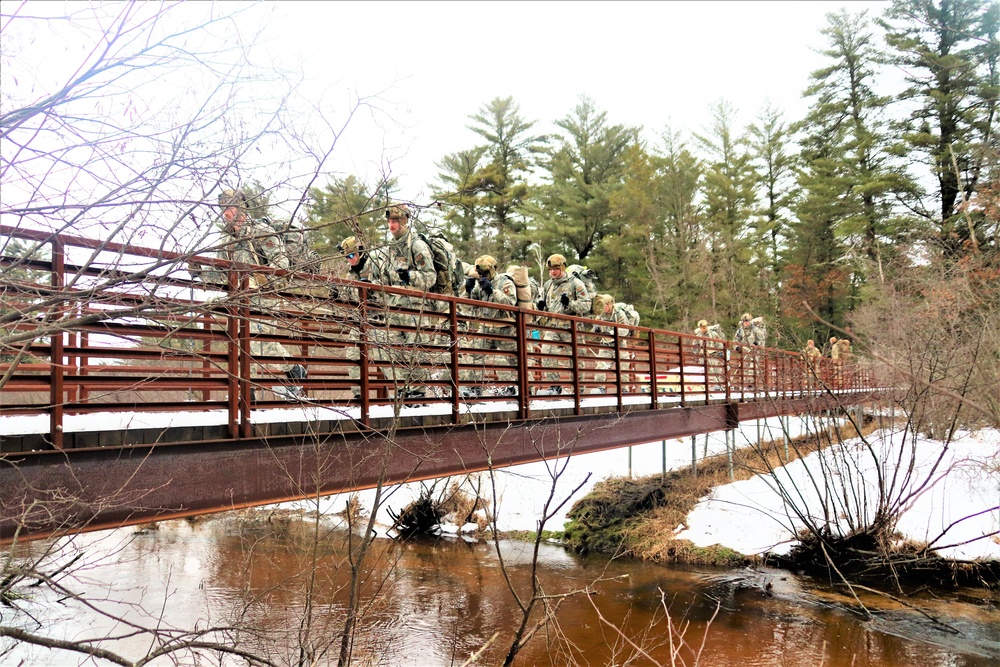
(639, 517)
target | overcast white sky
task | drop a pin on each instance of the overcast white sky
(645, 63)
(425, 67)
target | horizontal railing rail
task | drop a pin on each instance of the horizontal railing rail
(94, 326)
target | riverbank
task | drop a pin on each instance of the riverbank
(886, 504)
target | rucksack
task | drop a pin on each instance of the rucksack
(631, 317)
(301, 256)
(450, 276)
(586, 276)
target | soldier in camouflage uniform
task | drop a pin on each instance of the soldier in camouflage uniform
(251, 241)
(706, 331)
(812, 356)
(748, 336)
(491, 286)
(361, 269)
(406, 261)
(604, 309)
(562, 294)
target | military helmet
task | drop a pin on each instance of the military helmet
(555, 261)
(231, 197)
(702, 323)
(398, 212)
(601, 301)
(350, 245)
(487, 264)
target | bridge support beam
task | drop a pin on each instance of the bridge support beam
(55, 492)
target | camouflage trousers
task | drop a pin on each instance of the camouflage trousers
(491, 367)
(259, 348)
(552, 346)
(605, 356)
(396, 351)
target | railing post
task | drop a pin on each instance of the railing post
(575, 370)
(364, 335)
(233, 358)
(705, 353)
(727, 360)
(680, 369)
(56, 371)
(617, 341)
(521, 339)
(653, 388)
(453, 338)
(245, 356)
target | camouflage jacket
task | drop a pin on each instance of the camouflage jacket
(408, 253)
(579, 299)
(616, 316)
(714, 331)
(363, 272)
(752, 335)
(504, 292)
(255, 243)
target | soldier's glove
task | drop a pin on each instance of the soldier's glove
(541, 304)
(486, 286)
(404, 276)
(469, 284)
(564, 300)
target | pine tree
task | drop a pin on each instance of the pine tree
(347, 207)
(464, 212)
(501, 183)
(729, 187)
(584, 169)
(816, 271)
(949, 50)
(769, 141)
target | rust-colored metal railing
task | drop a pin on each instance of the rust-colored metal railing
(101, 327)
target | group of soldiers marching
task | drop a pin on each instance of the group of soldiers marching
(414, 350)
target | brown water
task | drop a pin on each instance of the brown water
(434, 602)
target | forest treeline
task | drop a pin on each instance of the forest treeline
(892, 168)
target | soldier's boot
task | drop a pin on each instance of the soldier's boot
(294, 392)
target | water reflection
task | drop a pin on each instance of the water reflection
(285, 585)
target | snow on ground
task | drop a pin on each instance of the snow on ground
(951, 496)
(522, 490)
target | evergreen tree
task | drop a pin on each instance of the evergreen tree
(463, 210)
(769, 140)
(815, 273)
(584, 170)
(848, 123)
(501, 184)
(948, 51)
(347, 207)
(729, 187)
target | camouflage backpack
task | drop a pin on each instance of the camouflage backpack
(586, 276)
(629, 313)
(301, 256)
(450, 274)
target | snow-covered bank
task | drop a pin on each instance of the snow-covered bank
(950, 496)
(522, 490)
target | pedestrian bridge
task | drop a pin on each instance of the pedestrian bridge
(130, 391)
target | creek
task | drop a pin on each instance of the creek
(436, 601)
